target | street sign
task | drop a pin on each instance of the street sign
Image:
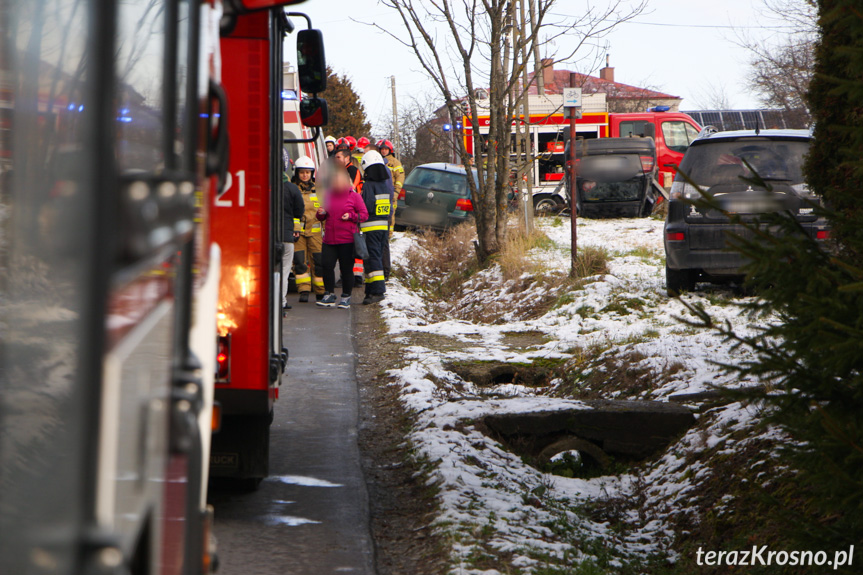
(572, 97)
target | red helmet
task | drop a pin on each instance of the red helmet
(343, 145)
(363, 142)
(386, 144)
(352, 142)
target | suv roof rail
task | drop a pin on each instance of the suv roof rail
(707, 131)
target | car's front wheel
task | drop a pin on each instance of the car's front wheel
(547, 205)
(679, 281)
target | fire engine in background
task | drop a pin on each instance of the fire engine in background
(548, 130)
(112, 142)
(247, 224)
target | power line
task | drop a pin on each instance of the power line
(714, 26)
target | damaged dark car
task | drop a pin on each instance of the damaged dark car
(615, 177)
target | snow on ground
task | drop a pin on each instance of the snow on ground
(497, 511)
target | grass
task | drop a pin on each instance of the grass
(591, 261)
(444, 267)
(515, 258)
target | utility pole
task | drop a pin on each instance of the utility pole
(396, 133)
(527, 199)
(573, 215)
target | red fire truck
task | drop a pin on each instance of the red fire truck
(247, 224)
(114, 140)
(111, 143)
(547, 129)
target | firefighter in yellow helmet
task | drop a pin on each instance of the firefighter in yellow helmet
(308, 262)
(398, 171)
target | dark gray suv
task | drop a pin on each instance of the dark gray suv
(723, 165)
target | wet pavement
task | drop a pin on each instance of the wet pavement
(312, 515)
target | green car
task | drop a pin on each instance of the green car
(435, 196)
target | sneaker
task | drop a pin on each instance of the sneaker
(319, 297)
(373, 298)
(345, 302)
(304, 297)
(329, 300)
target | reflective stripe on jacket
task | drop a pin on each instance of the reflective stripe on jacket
(310, 198)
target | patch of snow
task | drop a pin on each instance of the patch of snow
(623, 314)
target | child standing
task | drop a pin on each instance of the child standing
(343, 210)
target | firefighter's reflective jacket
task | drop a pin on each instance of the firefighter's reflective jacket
(398, 172)
(311, 225)
(378, 197)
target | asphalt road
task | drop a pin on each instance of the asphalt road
(312, 515)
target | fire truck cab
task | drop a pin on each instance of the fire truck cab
(672, 132)
(247, 224)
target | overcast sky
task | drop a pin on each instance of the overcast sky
(683, 47)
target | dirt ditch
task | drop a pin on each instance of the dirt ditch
(402, 506)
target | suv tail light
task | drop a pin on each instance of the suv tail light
(464, 205)
(822, 235)
(675, 236)
(401, 194)
(647, 163)
(223, 358)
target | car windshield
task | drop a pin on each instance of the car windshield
(725, 162)
(439, 181)
(625, 191)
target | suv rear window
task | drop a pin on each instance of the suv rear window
(724, 161)
(438, 181)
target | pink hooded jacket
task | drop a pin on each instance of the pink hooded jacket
(336, 204)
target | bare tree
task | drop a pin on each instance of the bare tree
(421, 135)
(470, 45)
(782, 64)
(713, 97)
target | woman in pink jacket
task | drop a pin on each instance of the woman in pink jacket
(343, 210)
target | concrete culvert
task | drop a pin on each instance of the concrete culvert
(493, 373)
(627, 430)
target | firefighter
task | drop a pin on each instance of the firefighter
(395, 166)
(361, 148)
(308, 265)
(352, 145)
(343, 158)
(398, 173)
(292, 213)
(330, 143)
(377, 196)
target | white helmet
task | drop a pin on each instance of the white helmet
(304, 163)
(371, 158)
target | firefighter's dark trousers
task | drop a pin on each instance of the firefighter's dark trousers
(375, 282)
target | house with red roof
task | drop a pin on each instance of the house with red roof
(619, 97)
